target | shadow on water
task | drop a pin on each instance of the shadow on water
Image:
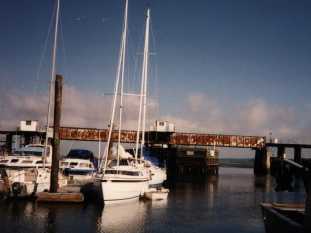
(228, 202)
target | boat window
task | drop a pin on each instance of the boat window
(65, 164)
(129, 173)
(84, 165)
(124, 162)
(27, 161)
(39, 162)
(73, 164)
(14, 160)
(4, 161)
(80, 154)
(111, 172)
(32, 150)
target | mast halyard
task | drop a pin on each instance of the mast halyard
(120, 72)
(52, 80)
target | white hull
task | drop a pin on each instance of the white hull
(158, 176)
(27, 182)
(154, 194)
(122, 190)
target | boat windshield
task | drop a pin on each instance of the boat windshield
(31, 150)
(122, 162)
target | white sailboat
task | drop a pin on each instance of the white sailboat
(26, 175)
(122, 178)
(157, 174)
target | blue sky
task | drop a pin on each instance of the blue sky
(223, 66)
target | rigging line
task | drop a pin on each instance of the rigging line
(52, 80)
(106, 151)
(45, 45)
(156, 76)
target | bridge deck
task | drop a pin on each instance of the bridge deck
(195, 139)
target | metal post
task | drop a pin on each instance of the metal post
(56, 139)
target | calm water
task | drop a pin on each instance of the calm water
(228, 202)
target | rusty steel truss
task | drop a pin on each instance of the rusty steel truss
(186, 139)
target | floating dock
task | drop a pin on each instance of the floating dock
(60, 197)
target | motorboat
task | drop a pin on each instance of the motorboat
(29, 156)
(156, 194)
(27, 171)
(290, 217)
(79, 166)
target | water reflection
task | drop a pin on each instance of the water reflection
(125, 217)
(225, 203)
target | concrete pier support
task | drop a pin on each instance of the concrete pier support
(307, 183)
(281, 151)
(297, 154)
(171, 163)
(261, 162)
(9, 140)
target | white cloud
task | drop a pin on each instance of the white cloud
(80, 109)
(199, 113)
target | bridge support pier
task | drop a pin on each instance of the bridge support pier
(261, 162)
(281, 152)
(9, 140)
(297, 154)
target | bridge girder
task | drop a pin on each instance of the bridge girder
(177, 138)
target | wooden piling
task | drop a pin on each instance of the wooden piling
(56, 139)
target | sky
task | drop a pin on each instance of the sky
(225, 66)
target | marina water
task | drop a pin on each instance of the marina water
(227, 202)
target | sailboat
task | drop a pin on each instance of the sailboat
(29, 173)
(157, 174)
(121, 178)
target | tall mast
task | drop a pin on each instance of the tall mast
(145, 77)
(52, 80)
(124, 37)
(142, 91)
(120, 71)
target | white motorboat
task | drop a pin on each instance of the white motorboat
(27, 171)
(79, 165)
(77, 171)
(27, 182)
(156, 194)
(30, 156)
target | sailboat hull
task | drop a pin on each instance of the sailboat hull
(121, 190)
